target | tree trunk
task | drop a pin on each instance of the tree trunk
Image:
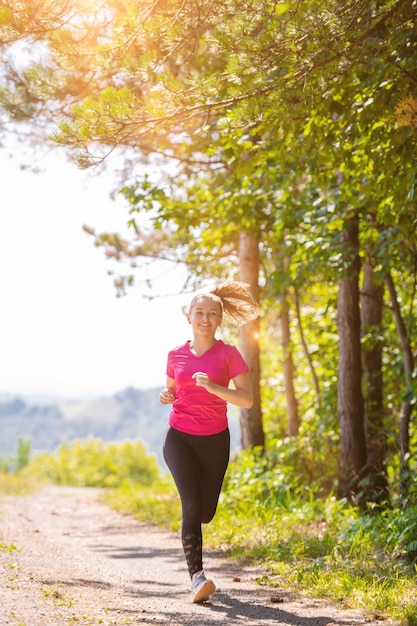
(305, 348)
(251, 419)
(371, 309)
(407, 407)
(288, 369)
(350, 401)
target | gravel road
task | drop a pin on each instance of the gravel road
(77, 562)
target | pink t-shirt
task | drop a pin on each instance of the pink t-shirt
(195, 410)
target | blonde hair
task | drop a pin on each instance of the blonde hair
(234, 299)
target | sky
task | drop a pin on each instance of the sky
(63, 331)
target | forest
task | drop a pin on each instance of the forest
(274, 143)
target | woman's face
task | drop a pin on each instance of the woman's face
(205, 316)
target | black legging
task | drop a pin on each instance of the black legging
(198, 465)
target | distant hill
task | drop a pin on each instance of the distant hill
(129, 414)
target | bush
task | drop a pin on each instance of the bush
(92, 463)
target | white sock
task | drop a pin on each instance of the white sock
(198, 574)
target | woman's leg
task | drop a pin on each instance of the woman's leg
(184, 466)
(213, 453)
(198, 465)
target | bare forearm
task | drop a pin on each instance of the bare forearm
(239, 397)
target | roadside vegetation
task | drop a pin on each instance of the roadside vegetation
(305, 537)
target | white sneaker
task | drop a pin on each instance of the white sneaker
(201, 588)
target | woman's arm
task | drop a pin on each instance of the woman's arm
(241, 395)
(167, 395)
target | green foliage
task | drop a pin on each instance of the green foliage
(323, 546)
(400, 531)
(92, 463)
(288, 465)
(319, 544)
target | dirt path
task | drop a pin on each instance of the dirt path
(77, 562)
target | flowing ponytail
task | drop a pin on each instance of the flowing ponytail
(237, 301)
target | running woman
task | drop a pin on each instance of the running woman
(197, 440)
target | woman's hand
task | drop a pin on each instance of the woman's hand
(202, 380)
(241, 395)
(167, 396)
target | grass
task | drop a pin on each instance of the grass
(157, 504)
(16, 484)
